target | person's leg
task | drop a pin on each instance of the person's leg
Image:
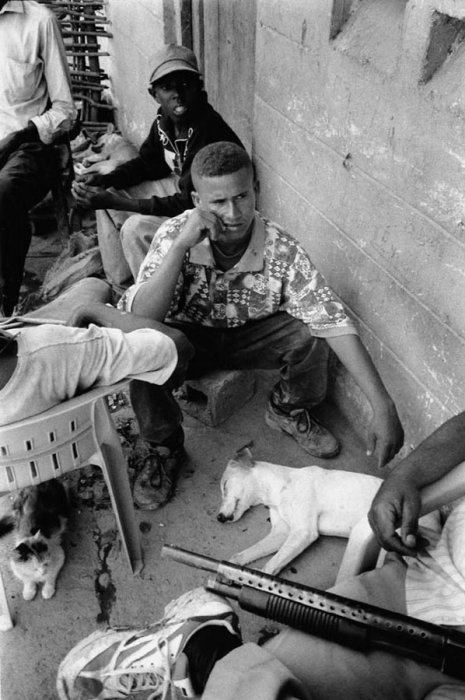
(331, 671)
(197, 630)
(252, 672)
(25, 179)
(112, 235)
(285, 343)
(62, 308)
(136, 235)
(138, 231)
(160, 420)
(115, 266)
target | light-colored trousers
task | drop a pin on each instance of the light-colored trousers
(124, 237)
(298, 666)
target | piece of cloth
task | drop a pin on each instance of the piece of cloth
(435, 585)
(57, 362)
(277, 342)
(251, 672)
(34, 75)
(25, 179)
(160, 156)
(274, 274)
(124, 237)
(329, 671)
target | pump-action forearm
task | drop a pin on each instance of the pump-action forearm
(341, 620)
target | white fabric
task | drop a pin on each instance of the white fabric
(57, 362)
(33, 69)
(435, 582)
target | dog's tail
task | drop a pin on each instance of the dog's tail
(7, 524)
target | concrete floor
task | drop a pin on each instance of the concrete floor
(96, 588)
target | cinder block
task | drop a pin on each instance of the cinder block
(216, 396)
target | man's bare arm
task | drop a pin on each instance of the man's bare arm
(398, 501)
(154, 297)
(385, 435)
(104, 315)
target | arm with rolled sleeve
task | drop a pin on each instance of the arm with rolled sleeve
(59, 117)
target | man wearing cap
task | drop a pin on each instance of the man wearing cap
(185, 123)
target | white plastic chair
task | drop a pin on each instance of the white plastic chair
(69, 436)
(363, 552)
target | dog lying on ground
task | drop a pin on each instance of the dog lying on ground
(103, 157)
(304, 503)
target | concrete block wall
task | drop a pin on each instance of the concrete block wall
(138, 28)
(359, 140)
(355, 114)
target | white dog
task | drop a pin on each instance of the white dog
(303, 503)
(103, 157)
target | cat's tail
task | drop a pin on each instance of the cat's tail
(7, 524)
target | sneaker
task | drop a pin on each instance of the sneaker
(125, 663)
(313, 437)
(156, 482)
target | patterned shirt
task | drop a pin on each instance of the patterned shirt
(274, 274)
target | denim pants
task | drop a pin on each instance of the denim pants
(277, 342)
(25, 179)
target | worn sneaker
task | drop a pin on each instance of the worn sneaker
(313, 437)
(156, 482)
(125, 663)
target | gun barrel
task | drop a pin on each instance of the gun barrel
(183, 556)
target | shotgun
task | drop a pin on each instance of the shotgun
(333, 617)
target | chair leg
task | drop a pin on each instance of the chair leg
(6, 623)
(114, 469)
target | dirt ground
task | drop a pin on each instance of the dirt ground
(96, 588)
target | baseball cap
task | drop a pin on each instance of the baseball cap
(171, 58)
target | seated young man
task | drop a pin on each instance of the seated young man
(43, 365)
(197, 647)
(157, 183)
(246, 295)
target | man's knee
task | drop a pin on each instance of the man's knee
(185, 354)
(130, 227)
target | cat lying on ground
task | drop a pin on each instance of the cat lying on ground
(39, 516)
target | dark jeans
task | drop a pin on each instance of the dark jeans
(25, 179)
(277, 342)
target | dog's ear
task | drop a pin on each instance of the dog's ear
(244, 456)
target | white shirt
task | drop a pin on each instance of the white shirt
(34, 75)
(57, 362)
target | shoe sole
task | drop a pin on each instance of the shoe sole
(274, 425)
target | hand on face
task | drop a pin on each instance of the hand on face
(201, 224)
